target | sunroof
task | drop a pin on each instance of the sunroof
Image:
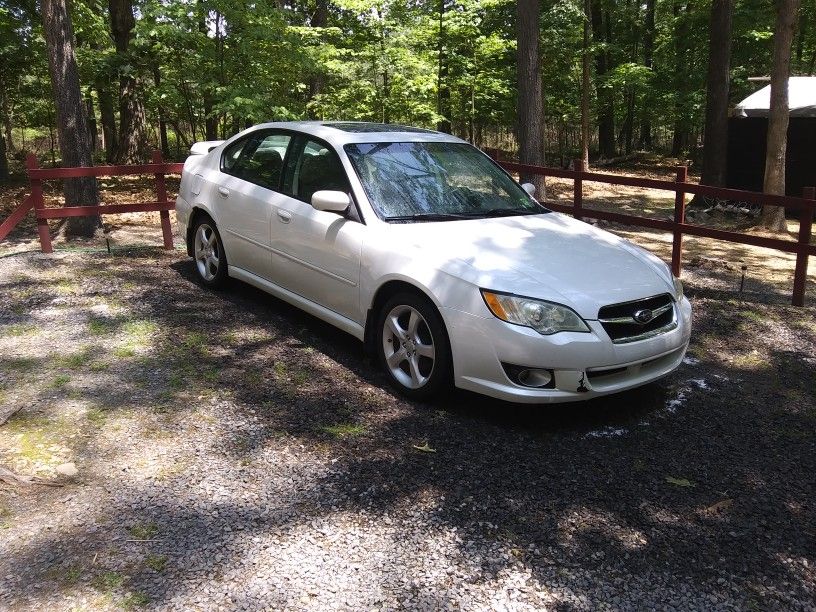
(362, 127)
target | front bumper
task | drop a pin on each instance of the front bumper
(585, 365)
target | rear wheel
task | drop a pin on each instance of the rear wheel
(413, 347)
(208, 252)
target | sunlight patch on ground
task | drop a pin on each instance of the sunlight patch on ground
(607, 432)
(683, 393)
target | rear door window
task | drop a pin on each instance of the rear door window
(265, 165)
(258, 158)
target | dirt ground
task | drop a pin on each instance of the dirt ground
(226, 451)
(234, 453)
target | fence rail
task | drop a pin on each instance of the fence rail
(678, 226)
(805, 206)
(36, 175)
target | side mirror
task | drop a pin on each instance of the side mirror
(529, 188)
(330, 201)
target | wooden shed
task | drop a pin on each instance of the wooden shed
(747, 132)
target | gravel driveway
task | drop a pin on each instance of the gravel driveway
(234, 453)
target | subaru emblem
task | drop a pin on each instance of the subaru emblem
(643, 316)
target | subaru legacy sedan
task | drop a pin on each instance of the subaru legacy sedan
(419, 245)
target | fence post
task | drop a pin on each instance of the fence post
(161, 195)
(679, 217)
(39, 204)
(805, 229)
(578, 189)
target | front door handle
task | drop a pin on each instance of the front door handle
(224, 192)
(285, 216)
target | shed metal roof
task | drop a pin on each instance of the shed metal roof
(801, 100)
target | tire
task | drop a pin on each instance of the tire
(412, 346)
(208, 254)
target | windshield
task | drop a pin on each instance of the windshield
(436, 181)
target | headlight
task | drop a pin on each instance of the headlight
(678, 289)
(544, 317)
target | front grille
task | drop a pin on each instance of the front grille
(618, 320)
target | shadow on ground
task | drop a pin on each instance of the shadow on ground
(700, 486)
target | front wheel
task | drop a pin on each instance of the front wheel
(208, 252)
(413, 347)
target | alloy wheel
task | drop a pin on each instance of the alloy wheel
(207, 252)
(408, 346)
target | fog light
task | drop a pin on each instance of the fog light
(537, 378)
(534, 378)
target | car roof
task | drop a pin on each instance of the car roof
(340, 133)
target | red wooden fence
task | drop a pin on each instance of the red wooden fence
(680, 186)
(36, 175)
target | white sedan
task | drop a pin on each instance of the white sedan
(422, 247)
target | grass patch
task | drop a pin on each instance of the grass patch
(749, 361)
(175, 381)
(97, 416)
(108, 581)
(156, 562)
(143, 531)
(195, 341)
(5, 516)
(137, 335)
(179, 467)
(753, 316)
(139, 330)
(280, 369)
(65, 287)
(101, 327)
(300, 377)
(33, 445)
(18, 329)
(19, 363)
(134, 600)
(60, 380)
(74, 361)
(124, 352)
(344, 430)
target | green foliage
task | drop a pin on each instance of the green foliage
(224, 64)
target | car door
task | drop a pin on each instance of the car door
(317, 252)
(247, 195)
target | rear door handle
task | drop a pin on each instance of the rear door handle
(284, 215)
(224, 192)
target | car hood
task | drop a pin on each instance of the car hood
(549, 256)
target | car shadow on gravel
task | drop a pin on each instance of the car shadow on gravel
(690, 479)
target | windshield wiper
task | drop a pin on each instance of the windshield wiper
(507, 212)
(428, 217)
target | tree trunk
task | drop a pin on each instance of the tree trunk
(108, 120)
(773, 217)
(210, 122)
(74, 139)
(530, 101)
(606, 109)
(165, 146)
(680, 138)
(443, 108)
(585, 85)
(318, 79)
(5, 110)
(4, 171)
(715, 146)
(133, 146)
(648, 59)
(89, 108)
